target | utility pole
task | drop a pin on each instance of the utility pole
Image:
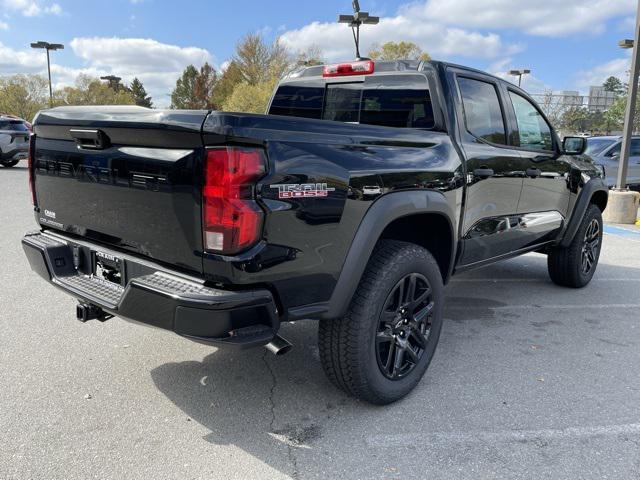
(630, 111)
(48, 47)
(623, 203)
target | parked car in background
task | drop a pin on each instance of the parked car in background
(14, 140)
(606, 151)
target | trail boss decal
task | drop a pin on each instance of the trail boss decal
(303, 190)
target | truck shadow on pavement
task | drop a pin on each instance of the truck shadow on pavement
(272, 406)
(263, 404)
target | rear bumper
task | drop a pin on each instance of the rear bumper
(20, 153)
(155, 296)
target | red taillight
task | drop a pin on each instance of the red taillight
(31, 166)
(232, 220)
(365, 67)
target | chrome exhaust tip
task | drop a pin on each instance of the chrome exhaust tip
(278, 346)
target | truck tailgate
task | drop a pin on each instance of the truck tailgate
(123, 176)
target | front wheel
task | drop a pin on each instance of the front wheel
(382, 347)
(574, 265)
(9, 163)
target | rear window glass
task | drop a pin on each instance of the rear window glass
(13, 125)
(392, 101)
(342, 103)
(397, 108)
(296, 101)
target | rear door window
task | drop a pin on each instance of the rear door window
(482, 111)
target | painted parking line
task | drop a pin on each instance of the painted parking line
(410, 440)
(599, 306)
(622, 232)
(531, 280)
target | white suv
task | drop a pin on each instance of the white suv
(14, 140)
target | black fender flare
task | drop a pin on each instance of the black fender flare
(582, 203)
(384, 210)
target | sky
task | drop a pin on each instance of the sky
(567, 44)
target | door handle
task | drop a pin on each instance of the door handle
(91, 139)
(483, 172)
(533, 172)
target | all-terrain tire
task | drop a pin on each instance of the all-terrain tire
(574, 266)
(348, 345)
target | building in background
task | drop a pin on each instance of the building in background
(600, 100)
(571, 98)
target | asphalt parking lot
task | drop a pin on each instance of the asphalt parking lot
(529, 381)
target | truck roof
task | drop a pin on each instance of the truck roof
(383, 66)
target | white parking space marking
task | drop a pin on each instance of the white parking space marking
(411, 440)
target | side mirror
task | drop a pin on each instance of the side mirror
(574, 145)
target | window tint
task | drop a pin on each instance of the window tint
(597, 145)
(615, 150)
(533, 131)
(343, 102)
(482, 111)
(296, 101)
(401, 101)
(397, 108)
(14, 125)
(634, 152)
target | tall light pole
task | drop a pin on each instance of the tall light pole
(48, 47)
(630, 111)
(113, 81)
(354, 21)
(519, 74)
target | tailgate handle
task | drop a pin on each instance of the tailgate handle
(91, 139)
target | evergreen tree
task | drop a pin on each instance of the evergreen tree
(183, 95)
(615, 85)
(140, 94)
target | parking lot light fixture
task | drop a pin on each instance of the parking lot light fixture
(626, 43)
(355, 21)
(113, 81)
(519, 74)
(48, 47)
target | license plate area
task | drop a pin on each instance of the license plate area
(108, 267)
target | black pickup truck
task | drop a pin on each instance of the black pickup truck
(352, 202)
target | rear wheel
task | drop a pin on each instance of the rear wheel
(10, 163)
(382, 347)
(574, 265)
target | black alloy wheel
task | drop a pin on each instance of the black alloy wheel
(404, 326)
(590, 246)
(575, 264)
